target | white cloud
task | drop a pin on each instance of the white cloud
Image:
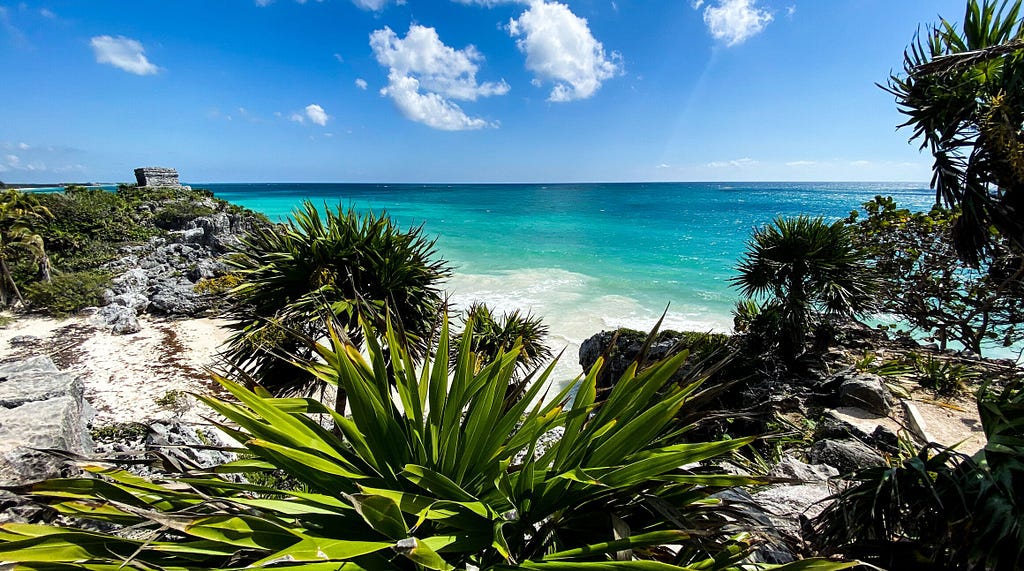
(860, 164)
(438, 68)
(375, 5)
(735, 163)
(735, 21)
(424, 75)
(431, 109)
(664, 166)
(801, 163)
(47, 13)
(24, 146)
(490, 3)
(123, 53)
(790, 10)
(13, 161)
(313, 113)
(338, 57)
(560, 48)
(361, 83)
(316, 114)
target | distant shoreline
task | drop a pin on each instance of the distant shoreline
(33, 186)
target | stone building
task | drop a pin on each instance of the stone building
(157, 177)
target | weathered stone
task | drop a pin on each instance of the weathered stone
(40, 408)
(790, 467)
(136, 301)
(190, 236)
(845, 455)
(21, 340)
(135, 280)
(867, 392)
(160, 177)
(119, 319)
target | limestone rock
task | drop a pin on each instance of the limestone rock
(867, 392)
(790, 467)
(845, 455)
(40, 408)
(119, 319)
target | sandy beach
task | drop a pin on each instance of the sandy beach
(139, 377)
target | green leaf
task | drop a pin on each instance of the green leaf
(381, 513)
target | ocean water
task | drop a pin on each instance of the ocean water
(588, 257)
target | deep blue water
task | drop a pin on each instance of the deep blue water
(588, 257)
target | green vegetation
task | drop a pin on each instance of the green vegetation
(961, 92)
(493, 335)
(120, 431)
(804, 269)
(921, 280)
(339, 265)
(937, 508)
(218, 285)
(446, 480)
(69, 292)
(20, 214)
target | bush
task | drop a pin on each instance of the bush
(446, 479)
(174, 215)
(218, 285)
(68, 293)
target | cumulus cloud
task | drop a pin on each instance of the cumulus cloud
(123, 53)
(361, 83)
(313, 113)
(560, 48)
(375, 5)
(425, 75)
(735, 163)
(735, 21)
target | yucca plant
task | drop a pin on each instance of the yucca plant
(429, 472)
(339, 263)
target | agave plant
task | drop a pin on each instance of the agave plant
(804, 268)
(340, 264)
(431, 471)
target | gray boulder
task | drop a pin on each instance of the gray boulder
(40, 408)
(793, 469)
(134, 281)
(845, 455)
(867, 392)
(118, 319)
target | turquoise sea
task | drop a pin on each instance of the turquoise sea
(588, 257)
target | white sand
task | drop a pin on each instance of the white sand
(125, 375)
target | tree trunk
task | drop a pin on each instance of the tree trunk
(8, 279)
(45, 268)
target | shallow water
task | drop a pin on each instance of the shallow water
(588, 257)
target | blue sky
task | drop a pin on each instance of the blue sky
(457, 90)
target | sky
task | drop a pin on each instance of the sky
(458, 90)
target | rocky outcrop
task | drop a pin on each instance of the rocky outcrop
(160, 276)
(157, 177)
(40, 408)
(866, 391)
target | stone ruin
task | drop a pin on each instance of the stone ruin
(157, 177)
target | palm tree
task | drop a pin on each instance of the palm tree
(341, 264)
(804, 268)
(963, 95)
(18, 212)
(492, 336)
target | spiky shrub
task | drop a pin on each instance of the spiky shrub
(429, 472)
(341, 263)
(938, 508)
(802, 268)
(493, 335)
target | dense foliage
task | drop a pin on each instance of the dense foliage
(804, 269)
(447, 479)
(921, 280)
(963, 94)
(493, 335)
(937, 508)
(20, 215)
(339, 264)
